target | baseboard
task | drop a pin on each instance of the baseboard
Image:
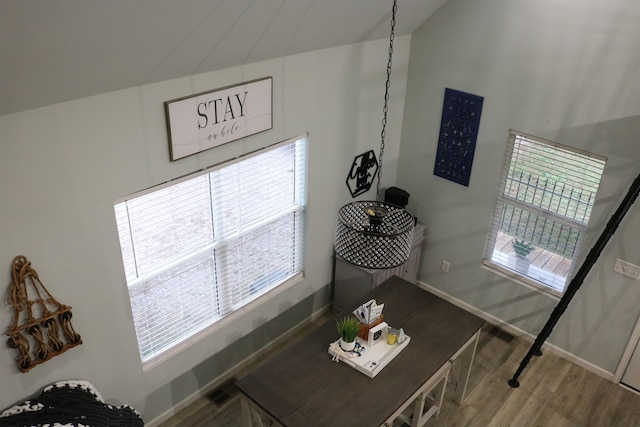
(236, 368)
(629, 388)
(519, 332)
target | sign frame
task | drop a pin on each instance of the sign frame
(199, 122)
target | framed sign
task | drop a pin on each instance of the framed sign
(378, 334)
(199, 122)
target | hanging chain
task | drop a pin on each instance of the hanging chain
(386, 95)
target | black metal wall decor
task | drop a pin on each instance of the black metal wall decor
(363, 170)
(458, 134)
(41, 327)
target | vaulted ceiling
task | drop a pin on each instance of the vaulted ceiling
(58, 50)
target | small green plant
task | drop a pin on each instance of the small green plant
(348, 328)
(521, 247)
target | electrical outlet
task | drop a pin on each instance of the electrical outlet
(445, 266)
(627, 269)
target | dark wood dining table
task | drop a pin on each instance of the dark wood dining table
(302, 386)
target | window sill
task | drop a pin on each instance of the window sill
(157, 360)
(522, 280)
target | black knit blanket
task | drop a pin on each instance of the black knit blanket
(69, 404)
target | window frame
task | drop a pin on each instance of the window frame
(497, 263)
(293, 216)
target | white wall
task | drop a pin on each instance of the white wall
(565, 70)
(62, 167)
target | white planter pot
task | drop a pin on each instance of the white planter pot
(347, 346)
(522, 263)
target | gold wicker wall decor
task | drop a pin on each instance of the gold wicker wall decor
(41, 327)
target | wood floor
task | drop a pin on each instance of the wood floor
(553, 393)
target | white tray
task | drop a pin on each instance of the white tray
(373, 359)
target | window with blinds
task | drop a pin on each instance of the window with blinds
(546, 194)
(198, 249)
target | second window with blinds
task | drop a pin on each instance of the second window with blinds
(546, 195)
(200, 249)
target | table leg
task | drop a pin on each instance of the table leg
(251, 415)
(465, 360)
(246, 412)
(419, 416)
(439, 397)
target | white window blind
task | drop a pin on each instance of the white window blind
(546, 194)
(202, 247)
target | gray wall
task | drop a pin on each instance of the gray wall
(563, 70)
(62, 167)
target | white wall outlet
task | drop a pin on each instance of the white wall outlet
(627, 269)
(445, 266)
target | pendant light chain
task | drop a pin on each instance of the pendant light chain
(386, 94)
(375, 234)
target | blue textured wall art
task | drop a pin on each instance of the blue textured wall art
(458, 134)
